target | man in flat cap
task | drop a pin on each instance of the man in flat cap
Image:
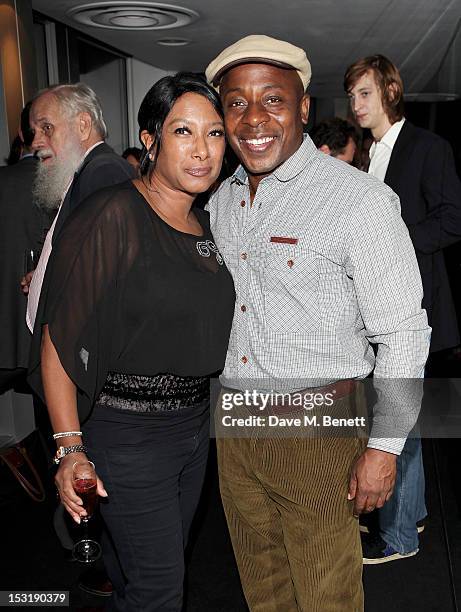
(324, 270)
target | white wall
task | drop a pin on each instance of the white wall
(108, 83)
(326, 108)
(140, 78)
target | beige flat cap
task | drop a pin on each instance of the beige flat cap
(260, 49)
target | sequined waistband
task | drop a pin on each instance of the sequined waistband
(153, 393)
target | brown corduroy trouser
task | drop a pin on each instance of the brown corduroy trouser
(294, 536)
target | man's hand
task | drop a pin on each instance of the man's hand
(372, 480)
(25, 282)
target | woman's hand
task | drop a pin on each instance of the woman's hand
(64, 483)
(25, 282)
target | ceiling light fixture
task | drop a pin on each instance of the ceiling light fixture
(173, 42)
(126, 15)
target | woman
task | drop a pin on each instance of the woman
(136, 313)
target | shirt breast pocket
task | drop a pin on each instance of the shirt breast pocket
(291, 285)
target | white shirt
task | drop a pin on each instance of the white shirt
(35, 287)
(381, 151)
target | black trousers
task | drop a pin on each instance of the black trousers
(153, 467)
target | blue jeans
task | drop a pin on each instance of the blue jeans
(398, 516)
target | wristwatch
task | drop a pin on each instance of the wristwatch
(66, 450)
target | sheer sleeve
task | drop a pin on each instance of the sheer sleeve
(80, 294)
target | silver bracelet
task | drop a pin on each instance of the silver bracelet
(66, 434)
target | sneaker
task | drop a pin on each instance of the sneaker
(375, 550)
(421, 526)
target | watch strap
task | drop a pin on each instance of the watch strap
(66, 450)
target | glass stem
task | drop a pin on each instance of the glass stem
(85, 521)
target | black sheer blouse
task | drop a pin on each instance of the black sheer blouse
(125, 292)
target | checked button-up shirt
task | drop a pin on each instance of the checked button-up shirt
(323, 268)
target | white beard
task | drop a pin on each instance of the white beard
(53, 177)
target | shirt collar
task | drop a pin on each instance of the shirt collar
(87, 152)
(289, 169)
(76, 172)
(389, 137)
(96, 144)
(90, 149)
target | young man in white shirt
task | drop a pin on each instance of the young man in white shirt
(419, 167)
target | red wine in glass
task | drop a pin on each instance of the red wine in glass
(86, 490)
(85, 550)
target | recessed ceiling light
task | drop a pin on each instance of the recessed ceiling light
(133, 21)
(127, 15)
(173, 42)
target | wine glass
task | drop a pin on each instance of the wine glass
(30, 260)
(85, 550)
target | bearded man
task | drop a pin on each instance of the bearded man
(74, 162)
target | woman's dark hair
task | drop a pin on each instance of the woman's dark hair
(159, 101)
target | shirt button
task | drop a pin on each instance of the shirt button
(243, 308)
(290, 263)
(244, 359)
(243, 256)
(243, 203)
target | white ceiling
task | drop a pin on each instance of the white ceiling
(421, 36)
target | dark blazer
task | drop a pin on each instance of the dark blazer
(22, 228)
(102, 167)
(423, 174)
